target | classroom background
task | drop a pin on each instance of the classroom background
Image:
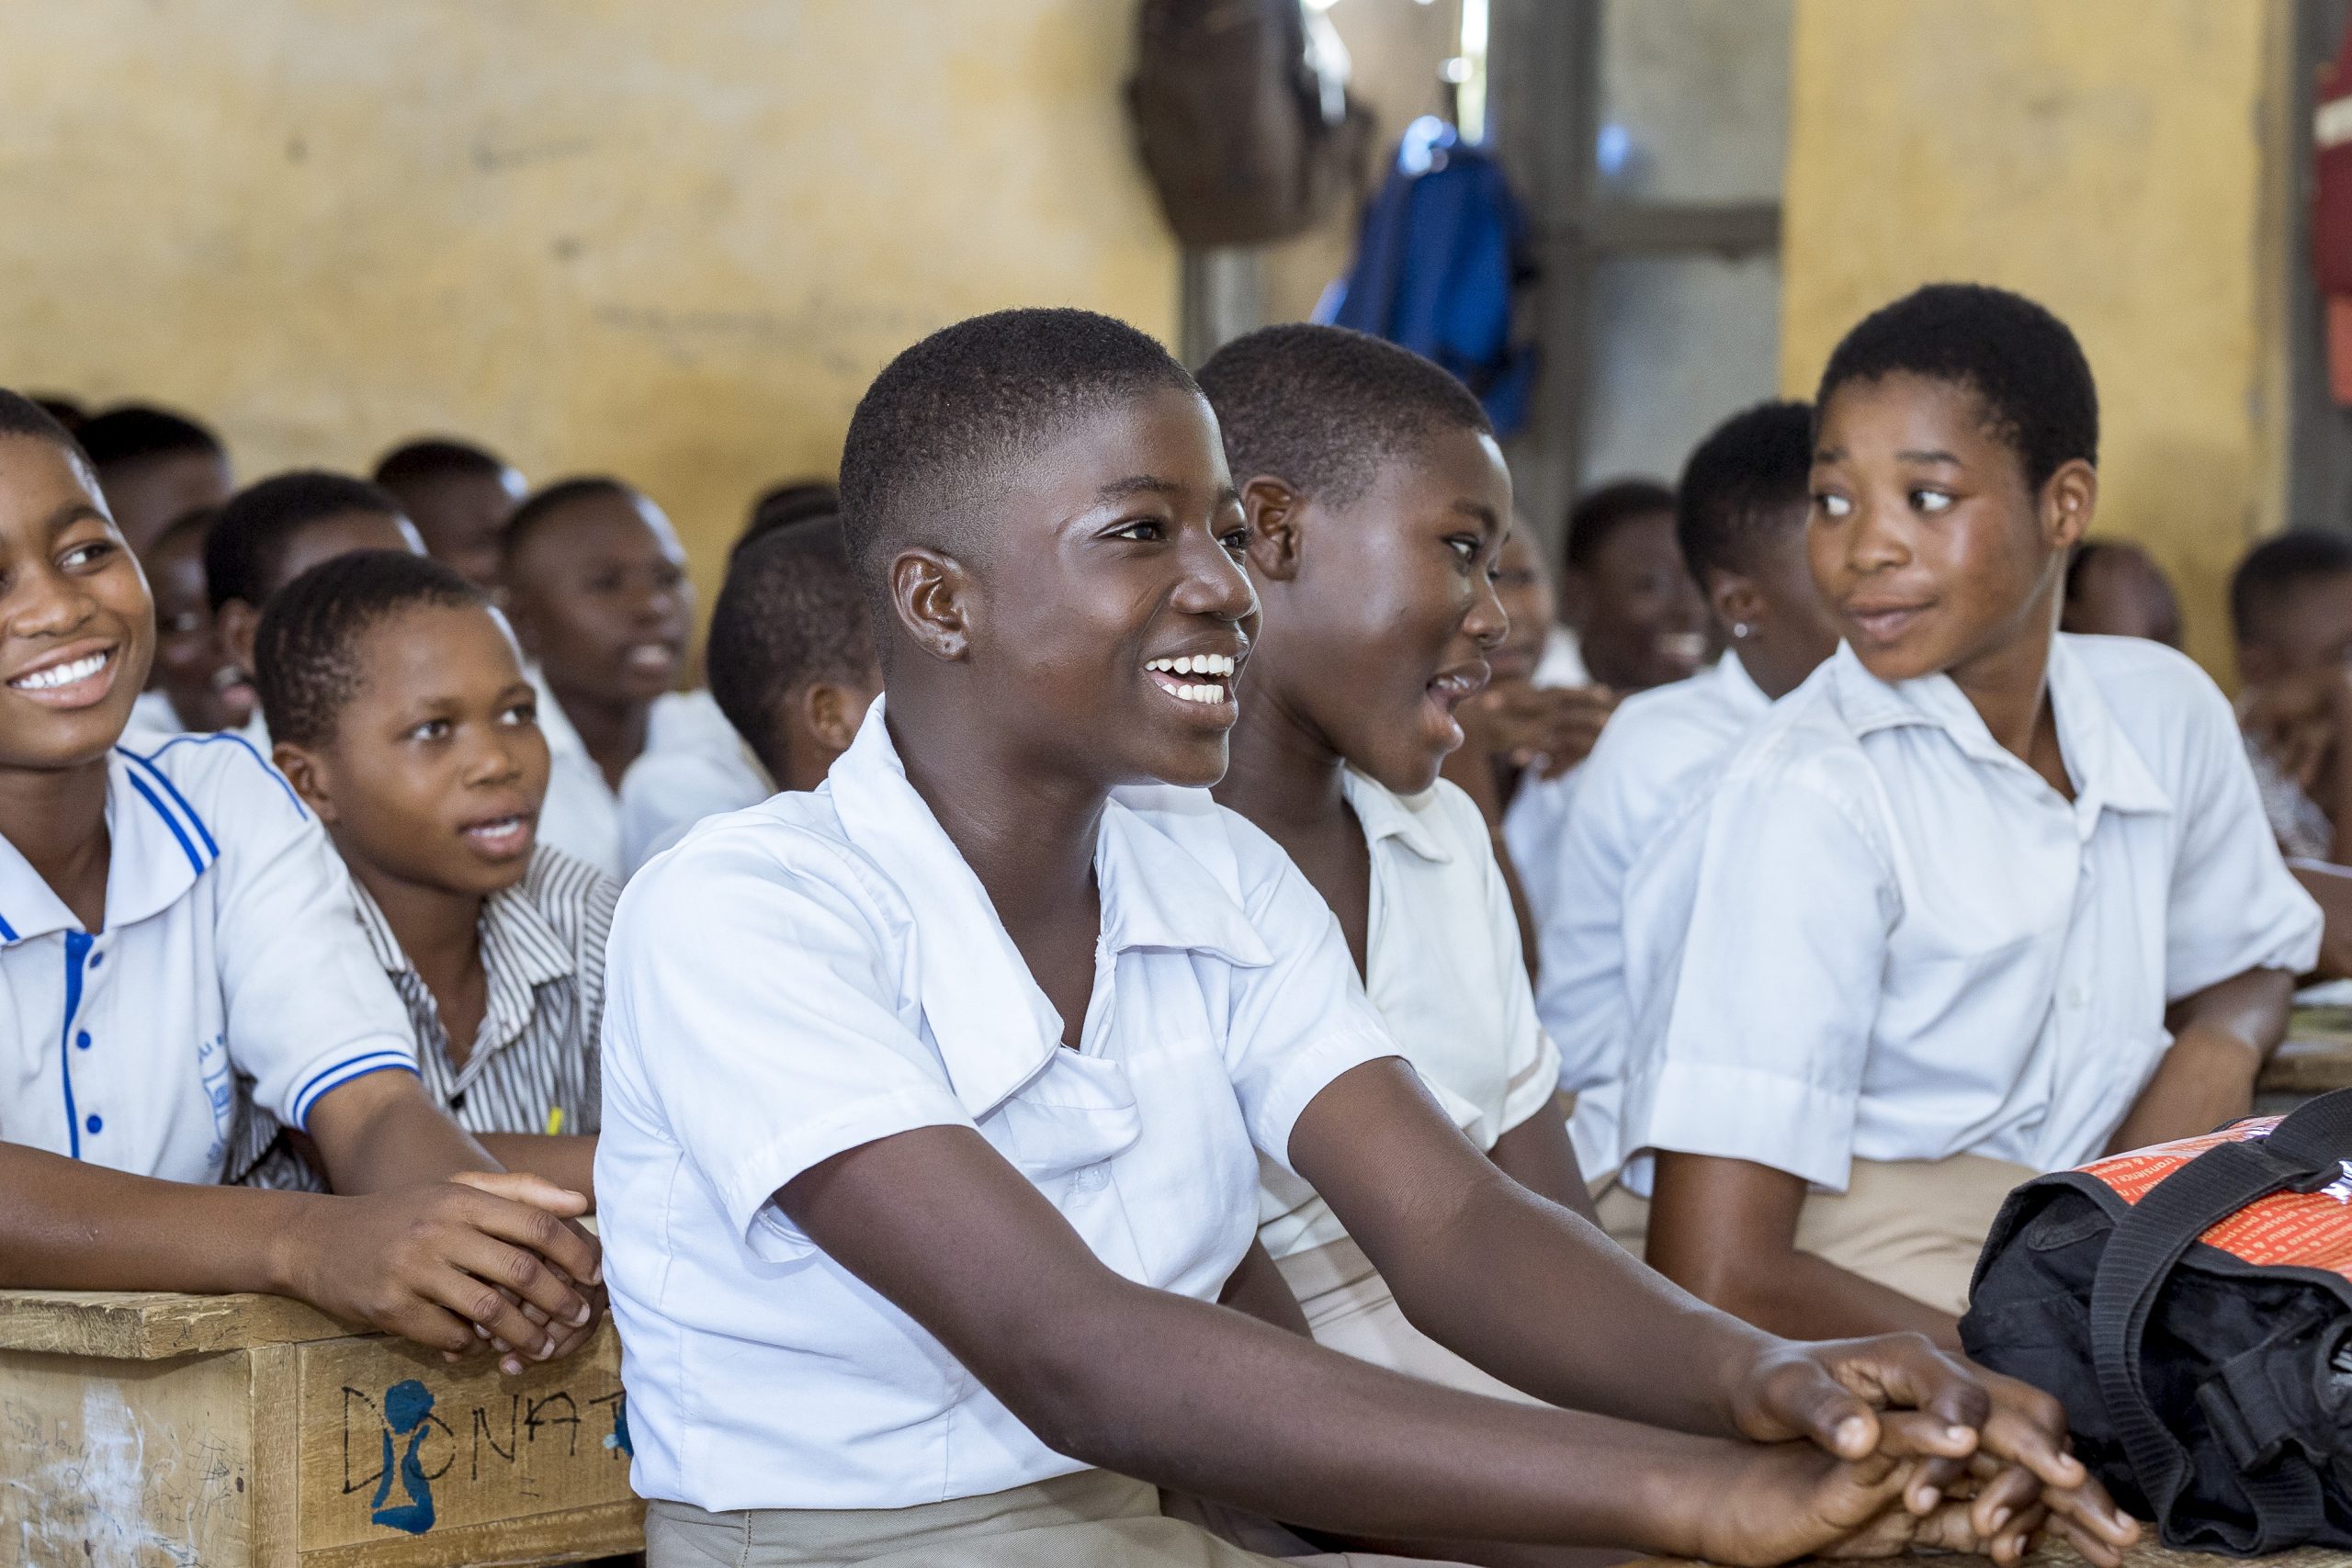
(675, 242)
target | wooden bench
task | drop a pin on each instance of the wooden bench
(253, 1432)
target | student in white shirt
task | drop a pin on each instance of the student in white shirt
(1978, 900)
(195, 688)
(1377, 500)
(935, 1099)
(1640, 624)
(1740, 515)
(596, 585)
(176, 935)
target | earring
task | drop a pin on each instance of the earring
(1739, 630)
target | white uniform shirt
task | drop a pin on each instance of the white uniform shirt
(1561, 663)
(1657, 754)
(1905, 945)
(824, 970)
(154, 716)
(1444, 968)
(582, 815)
(230, 957)
(707, 771)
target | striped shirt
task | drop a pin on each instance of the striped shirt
(543, 950)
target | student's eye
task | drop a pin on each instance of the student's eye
(522, 714)
(431, 729)
(87, 554)
(1142, 530)
(1235, 539)
(1833, 505)
(604, 583)
(1930, 500)
(1464, 547)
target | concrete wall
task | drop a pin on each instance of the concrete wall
(2122, 161)
(669, 240)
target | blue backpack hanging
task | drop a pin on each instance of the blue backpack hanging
(1442, 254)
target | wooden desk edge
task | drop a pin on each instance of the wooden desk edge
(148, 1326)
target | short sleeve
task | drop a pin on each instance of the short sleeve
(1301, 1020)
(758, 1000)
(1753, 1045)
(309, 1008)
(2233, 905)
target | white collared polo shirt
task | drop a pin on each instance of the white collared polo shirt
(229, 965)
(824, 970)
(1903, 944)
(1443, 966)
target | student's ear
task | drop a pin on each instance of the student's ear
(931, 593)
(234, 624)
(2067, 502)
(1271, 508)
(302, 770)
(1737, 603)
(830, 712)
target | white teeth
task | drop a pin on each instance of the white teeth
(1209, 694)
(61, 674)
(1195, 665)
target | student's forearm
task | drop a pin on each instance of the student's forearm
(380, 1133)
(1801, 1297)
(1321, 1439)
(71, 1226)
(2221, 1037)
(567, 1159)
(1538, 1156)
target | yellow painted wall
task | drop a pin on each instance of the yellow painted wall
(672, 240)
(2120, 161)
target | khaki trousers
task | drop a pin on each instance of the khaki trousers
(1912, 1226)
(1092, 1519)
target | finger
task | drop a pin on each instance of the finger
(456, 1288)
(419, 1319)
(1818, 1407)
(522, 1281)
(2096, 1548)
(1910, 1373)
(2005, 1497)
(1928, 1442)
(2090, 1507)
(537, 1230)
(521, 1187)
(2029, 1427)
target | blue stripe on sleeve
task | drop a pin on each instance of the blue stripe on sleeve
(235, 739)
(330, 1078)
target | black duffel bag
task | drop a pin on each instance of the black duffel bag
(2191, 1306)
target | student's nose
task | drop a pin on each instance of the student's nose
(1879, 538)
(1488, 622)
(47, 602)
(1213, 583)
(494, 760)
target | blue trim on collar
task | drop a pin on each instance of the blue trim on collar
(7, 931)
(235, 740)
(195, 861)
(189, 811)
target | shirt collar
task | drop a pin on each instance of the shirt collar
(1385, 815)
(994, 1027)
(2108, 771)
(520, 953)
(563, 740)
(1736, 686)
(158, 846)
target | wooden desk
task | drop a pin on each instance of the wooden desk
(2317, 1056)
(251, 1432)
(2054, 1553)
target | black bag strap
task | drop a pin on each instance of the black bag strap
(2303, 1153)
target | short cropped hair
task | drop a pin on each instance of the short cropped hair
(1600, 512)
(790, 612)
(795, 501)
(964, 408)
(247, 546)
(1320, 408)
(136, 431)
(307, 652)
(2275, 568)
(67, 412)
(1750, 478)
(2028, 373)
(19, 415)
(542, 505)
(437, 457)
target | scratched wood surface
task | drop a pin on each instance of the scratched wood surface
(246, 1432)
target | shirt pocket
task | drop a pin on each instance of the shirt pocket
(1077, 1115)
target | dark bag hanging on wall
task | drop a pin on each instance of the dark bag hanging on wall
(2191, 1306)
(1245, 140)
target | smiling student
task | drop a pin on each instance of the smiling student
(175, 942)
(935, 1099)
(1740, 519)
(1978, 900)
(596, 583)
(401, 716)
(1377, 500)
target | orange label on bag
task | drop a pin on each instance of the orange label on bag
(2303, 1230)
